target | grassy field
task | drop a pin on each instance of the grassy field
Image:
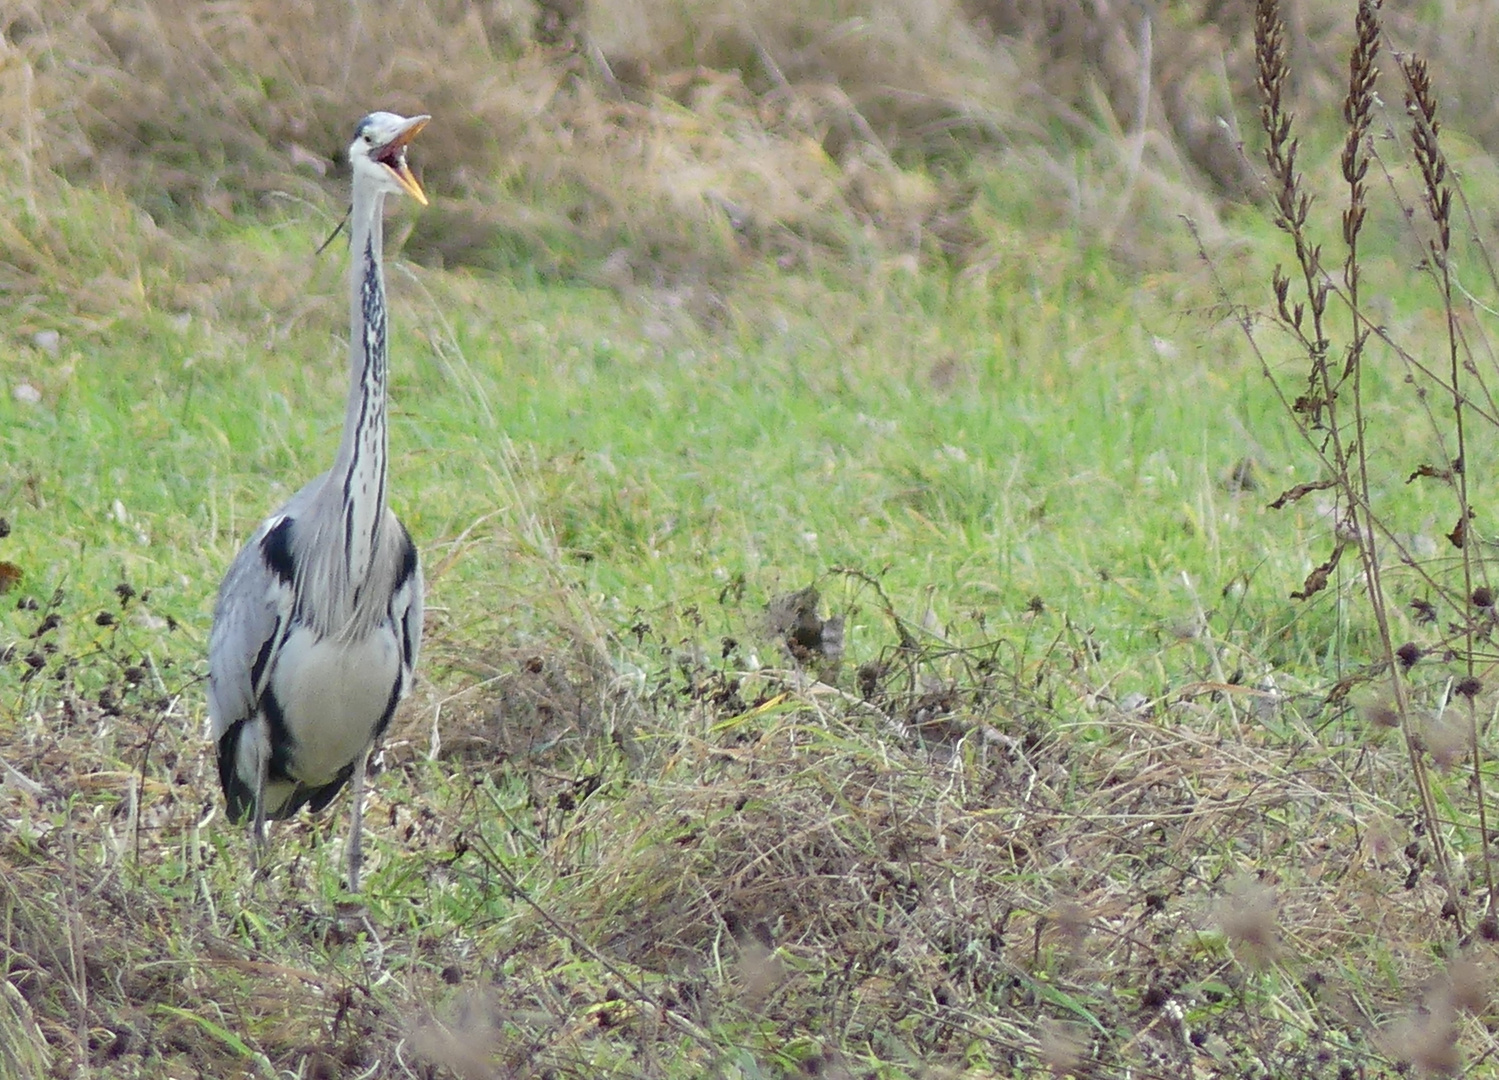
(858, 640)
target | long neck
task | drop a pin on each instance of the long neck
(359, 472)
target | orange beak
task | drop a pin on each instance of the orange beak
(393, 157)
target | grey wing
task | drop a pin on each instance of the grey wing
(406, 606)
(249, 621)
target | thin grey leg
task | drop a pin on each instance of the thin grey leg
(356, 824)
(257, 830)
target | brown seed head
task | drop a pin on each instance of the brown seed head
(1060, 1046)
(1425, 1040)
(1468, 984)
(1248, 916)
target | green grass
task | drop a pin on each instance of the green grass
(561, 453)
(990, 441)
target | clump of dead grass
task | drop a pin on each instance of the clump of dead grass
(648, 146)
(794, 863)
(652, 146)
(813, 874)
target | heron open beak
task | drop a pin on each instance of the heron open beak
(393, 156)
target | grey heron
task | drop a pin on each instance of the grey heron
(319, 617)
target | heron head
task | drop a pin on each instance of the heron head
(378, 152)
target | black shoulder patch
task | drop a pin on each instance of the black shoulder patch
(239, 796)
(276, 550)
(279, 767)
(257, 669)
(408, 559)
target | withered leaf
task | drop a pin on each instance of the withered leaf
(1316, 581)
(10, 575)
(1430, 472)
(1300, 491)
(1459, 533)
(1425, 611)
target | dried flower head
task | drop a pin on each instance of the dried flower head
(1426, 1040)
(1061, 1046)
(1248, 917)
(1445, 738)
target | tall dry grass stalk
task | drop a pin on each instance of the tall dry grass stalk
(1338, 402)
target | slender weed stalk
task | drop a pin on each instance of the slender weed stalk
(1437, 191)
(1331, 408)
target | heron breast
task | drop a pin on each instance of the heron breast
(333, 695)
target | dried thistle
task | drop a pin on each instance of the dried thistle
(1427, 1040)
(1409, 655)
(1249, 918)
(1445, 738)
(1061, 1047)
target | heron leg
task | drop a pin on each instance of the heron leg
(257, 829)
(356, 823)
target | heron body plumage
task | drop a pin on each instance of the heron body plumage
(318, 621)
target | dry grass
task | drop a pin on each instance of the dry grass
(677, 138)
(980, 857)
(822, 876)
(653, 145)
